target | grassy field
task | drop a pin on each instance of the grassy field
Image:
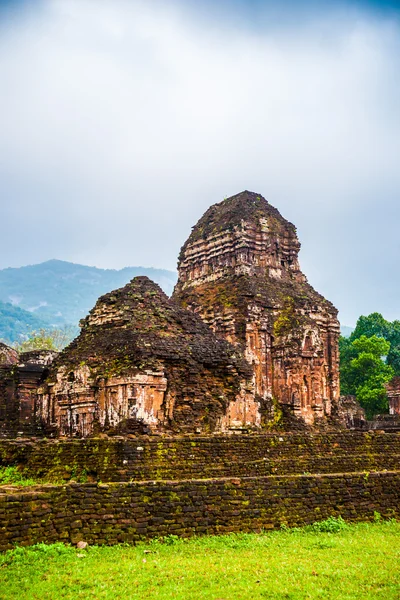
(345, 562)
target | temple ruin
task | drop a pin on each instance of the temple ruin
(20, 376)
(142, 363)
(239, 272)
(151, 387)
(244, 343)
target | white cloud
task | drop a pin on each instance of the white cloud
(123, 121)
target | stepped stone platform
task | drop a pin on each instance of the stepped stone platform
(189, 457)
(130, 489)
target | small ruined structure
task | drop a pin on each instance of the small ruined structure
(20, 376)
(239, 272)
(391, 421)
(393, 394)
(8, 356)
(350, 413)
(8, 418)
(142, 363)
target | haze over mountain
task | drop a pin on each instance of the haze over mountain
(58, 293)
(17, 323)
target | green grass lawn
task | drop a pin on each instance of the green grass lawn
(357, 561)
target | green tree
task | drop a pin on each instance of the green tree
(47, 339)
(393, 358)
(375, 324)
(347, 353)
(364, 371)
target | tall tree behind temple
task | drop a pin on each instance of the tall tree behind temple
(375, 324)
(369, 358)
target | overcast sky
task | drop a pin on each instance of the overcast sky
(121, 122)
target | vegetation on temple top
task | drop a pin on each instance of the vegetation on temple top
(228, 214)
(144, 326)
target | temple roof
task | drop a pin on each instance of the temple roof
(139, 327)
(245, 206)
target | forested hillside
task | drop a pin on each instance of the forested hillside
(58, 293)
(16, 322)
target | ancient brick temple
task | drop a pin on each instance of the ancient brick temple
(239, 271)
(142, 363)
(20, 376)
(245, 342)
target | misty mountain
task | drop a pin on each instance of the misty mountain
(58, 293)
(15, 322)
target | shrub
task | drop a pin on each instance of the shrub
(330, 525)
(12, 476)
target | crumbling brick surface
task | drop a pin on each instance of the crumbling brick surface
(142, 362)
